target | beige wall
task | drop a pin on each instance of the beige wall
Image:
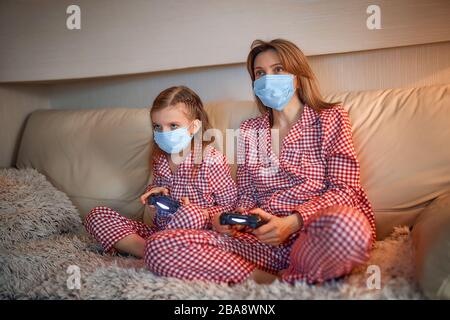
(16, 104)
(409, 66)
(128, 37)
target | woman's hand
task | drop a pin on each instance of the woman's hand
(277, 229)
(154, 190)
(239, 227)
(225, 229)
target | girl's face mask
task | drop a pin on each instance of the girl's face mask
(275, 90)
(173, 141)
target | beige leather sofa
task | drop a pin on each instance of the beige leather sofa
(402, 137)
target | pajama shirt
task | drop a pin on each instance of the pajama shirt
(207, 184)
(316, 175)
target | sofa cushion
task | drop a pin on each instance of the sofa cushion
(401, 138)
(226, 116)
(431, 236)
(97, 157)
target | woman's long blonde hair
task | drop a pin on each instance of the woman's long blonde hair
(294, 62)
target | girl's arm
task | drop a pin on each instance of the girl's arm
(157, 179)
(157, 182)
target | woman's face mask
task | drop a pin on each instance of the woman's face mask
(173, 141)
(275, 90)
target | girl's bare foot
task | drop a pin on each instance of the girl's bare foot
(132, 244)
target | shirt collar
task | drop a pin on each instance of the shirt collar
(308, 118)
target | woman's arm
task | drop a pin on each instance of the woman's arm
(277, 229)
(246, 187)
(343, 170)
(223, 185)
(342, 179)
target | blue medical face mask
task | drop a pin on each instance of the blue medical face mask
(275, 90)
(173, 141)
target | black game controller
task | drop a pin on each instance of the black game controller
(164, 204)
(253, 220)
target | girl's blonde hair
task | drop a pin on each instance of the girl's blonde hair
(294, 62)
(193, 108)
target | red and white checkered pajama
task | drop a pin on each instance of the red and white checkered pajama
(210, 191)
(332, 243)
(316, 175)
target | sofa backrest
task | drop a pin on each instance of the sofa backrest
(100, 156)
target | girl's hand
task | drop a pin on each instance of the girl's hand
(185, 201)
(154, 190)
(277, 229)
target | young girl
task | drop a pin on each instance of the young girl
(184, 168)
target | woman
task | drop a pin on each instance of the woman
(320, 224)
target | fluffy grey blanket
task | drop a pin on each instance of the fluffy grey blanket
(44, 254)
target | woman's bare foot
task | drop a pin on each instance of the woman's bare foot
(263, 277)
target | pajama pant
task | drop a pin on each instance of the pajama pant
(330, 245)
(108, 226)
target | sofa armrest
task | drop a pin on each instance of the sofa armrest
(431, 238)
